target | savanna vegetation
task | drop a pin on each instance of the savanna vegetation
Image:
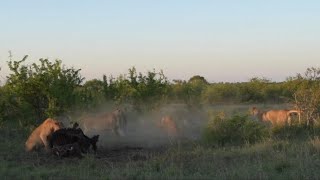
(230, 143)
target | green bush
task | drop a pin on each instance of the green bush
(236, 130)
(295, 132)
(45, 89)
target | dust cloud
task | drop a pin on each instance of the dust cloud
(143, 129)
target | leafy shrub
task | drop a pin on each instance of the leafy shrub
(236, 130)
(47, 87)
(295, 132)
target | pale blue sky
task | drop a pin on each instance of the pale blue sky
(220, 40)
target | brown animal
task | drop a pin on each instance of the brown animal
(168, 124)
(114, 121)
(39, 137)
(276, 117)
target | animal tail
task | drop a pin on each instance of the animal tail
(295, 111)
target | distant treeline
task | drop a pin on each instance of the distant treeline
(48, 88)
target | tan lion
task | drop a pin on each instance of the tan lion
(276, 117)
(168, 124)
(39, 137)
(115, 121)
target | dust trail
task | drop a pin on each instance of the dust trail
(143, 130)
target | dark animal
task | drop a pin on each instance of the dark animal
(72, 141)
(67, 150)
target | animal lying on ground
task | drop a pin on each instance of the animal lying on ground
(39, 137)
(276, 117)
(72, 141)
(115, 121)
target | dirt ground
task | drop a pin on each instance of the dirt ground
(127, 153)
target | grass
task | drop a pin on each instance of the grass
(270, 159)
(291, 153)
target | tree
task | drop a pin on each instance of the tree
(91, 94)
(221, 92)
(307, 94)
(152, 90)
(254, 90)
(48, 87)
(195, 88)
(198, 79)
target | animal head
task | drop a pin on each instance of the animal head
(86, 142)
(254, 111)
(54, 124)
(167, 122)
(117, 111)
(164, 121)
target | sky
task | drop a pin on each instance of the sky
(228, 40)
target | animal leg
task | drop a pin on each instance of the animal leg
(29, 146)
(44, 139)
(289, 120)
(120, 132)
